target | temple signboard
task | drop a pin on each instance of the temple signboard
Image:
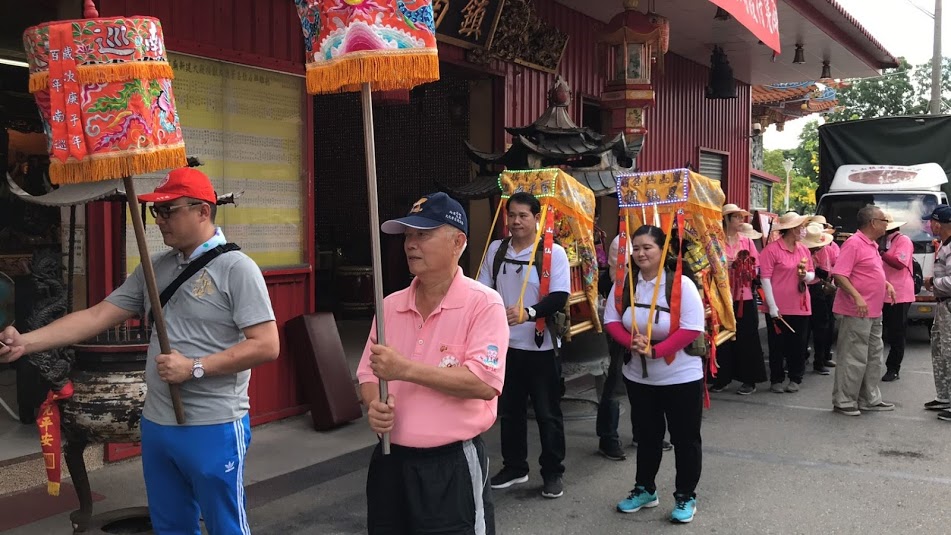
(467, 23)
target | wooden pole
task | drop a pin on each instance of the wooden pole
(152, 287)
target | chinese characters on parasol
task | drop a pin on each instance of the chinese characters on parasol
(104, 90)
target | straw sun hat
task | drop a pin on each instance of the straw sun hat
(789, 220)
(816, 237)
(747, 230)
(892, 224)
(734, 209)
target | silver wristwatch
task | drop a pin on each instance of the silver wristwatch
(198, 369)
(531, 313)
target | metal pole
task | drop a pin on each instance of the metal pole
(366, 98)
(936, 62)
(787, 189)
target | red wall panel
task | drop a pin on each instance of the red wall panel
(261, 33)
(274, 391)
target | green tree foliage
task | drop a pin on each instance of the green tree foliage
(894, 93)
(802, 188)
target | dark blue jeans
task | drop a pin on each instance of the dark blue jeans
(609, 408)
(535, 374)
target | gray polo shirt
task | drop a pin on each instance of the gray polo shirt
(205, 316)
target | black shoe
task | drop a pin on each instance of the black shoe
(612, 451)
(890, 376)
(822, 370)
(553, 487)
(937, 405)
(508, 477)
(945, 415)
(716, 389)
(665, 446)
(830, 364)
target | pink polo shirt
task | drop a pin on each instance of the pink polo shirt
(823, 259)
(900, 249)
(742, 244)
(469, 328)
(834, 251)
(781, 267)
(860, 262)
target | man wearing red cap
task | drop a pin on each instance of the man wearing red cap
(220, 325)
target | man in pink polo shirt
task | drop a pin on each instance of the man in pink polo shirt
(859, 274)
(446, 338)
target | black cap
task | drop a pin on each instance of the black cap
(941, 214)
(431, 211)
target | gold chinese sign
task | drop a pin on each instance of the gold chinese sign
(467, 23)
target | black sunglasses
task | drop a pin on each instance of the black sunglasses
(165, 212)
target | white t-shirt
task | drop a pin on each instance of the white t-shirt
(509, 286)
(685, 368)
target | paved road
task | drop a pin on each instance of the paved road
(773, 463)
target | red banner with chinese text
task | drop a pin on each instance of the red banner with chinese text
(51, 436)
(758, 16)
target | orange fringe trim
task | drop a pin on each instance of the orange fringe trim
(96, 169)
(101, 74)
(384, 70)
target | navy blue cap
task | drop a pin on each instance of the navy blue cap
(941, 214)
(431, 211)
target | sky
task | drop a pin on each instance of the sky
(901, 28)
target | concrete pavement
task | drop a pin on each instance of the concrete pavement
(773, 463)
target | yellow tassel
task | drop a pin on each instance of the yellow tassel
(52, 488)
(101, 74)
(384, 70)
(100, 168)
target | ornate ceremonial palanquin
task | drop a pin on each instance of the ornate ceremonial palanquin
(572, 205)
(657, 197)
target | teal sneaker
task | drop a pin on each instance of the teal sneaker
(638, 499)
(684, 510)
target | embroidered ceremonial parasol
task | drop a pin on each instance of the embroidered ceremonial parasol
(368, 45)
(103, 87)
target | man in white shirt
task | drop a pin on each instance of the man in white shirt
(532, 369)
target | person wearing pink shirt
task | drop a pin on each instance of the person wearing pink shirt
(444, 358)
(897, 262)
(820, 288)
(862, 291)
(742, 357)
(824, 259)
(785, 269)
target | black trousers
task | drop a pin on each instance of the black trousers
(438, 490)
(656, 407)
(894, 318)
(786, 349)
(535, 374)
(820, 327)
(742, 359)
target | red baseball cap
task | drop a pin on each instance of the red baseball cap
(183, 182)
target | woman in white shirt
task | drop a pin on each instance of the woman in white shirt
(664, 383)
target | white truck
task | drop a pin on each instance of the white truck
(908, 193)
